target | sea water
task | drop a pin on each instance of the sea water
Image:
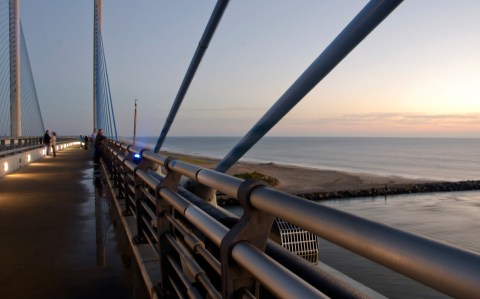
(447, 217)
(450, 217)
(428, 158)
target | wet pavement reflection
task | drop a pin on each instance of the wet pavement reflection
(114, 257)
(60, 236)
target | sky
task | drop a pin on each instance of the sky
(416, 75)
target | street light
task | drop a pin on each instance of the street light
(135, 123)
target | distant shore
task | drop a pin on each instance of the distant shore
(320, 184)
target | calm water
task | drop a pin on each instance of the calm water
(448, 217)
(432, 158)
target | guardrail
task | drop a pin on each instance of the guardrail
(19, 152)
(11, 146)
(204, 251)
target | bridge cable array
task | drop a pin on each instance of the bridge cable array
(32, 121)
(104, 96)
(31, 116)
(4, 70)
(366, 20)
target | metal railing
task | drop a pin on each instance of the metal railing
(12, 146)
(206, 252)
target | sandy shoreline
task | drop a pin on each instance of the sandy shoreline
(301, 180)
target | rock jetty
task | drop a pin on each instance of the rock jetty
(395, 189)
(387, 190)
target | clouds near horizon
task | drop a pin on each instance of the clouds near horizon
(416, 74)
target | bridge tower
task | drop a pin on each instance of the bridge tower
(97, 31)
(15, 100)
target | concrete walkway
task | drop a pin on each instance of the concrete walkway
(57, 237)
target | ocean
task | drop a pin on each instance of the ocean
(450, 217)
(450, 159)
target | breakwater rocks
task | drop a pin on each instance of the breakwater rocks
(395, 189)
(387, 190)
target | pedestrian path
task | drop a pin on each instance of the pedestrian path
(57, 235)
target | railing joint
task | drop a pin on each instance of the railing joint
(171, 182)
(254, 227)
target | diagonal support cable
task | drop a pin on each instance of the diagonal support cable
(197, 58)
(110, 102)
(104, 110)
(32, 121)
(365, 21)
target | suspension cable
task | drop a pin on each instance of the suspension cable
(197, 58)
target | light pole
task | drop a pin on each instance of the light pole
(135, 123)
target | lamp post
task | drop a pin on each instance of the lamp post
(135, 123)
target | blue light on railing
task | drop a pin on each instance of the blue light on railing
(137, 158)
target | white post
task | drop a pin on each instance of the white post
(15, 110)
(135, 123)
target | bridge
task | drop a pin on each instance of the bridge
(184, 244)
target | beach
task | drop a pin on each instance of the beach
(304, 180)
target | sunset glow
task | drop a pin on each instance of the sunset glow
(415, 75)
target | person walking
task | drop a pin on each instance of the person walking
(94, 135)
(53, 142)
(46, 141)
(98, 145)
(86, 142)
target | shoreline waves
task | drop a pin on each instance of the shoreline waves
(436, 159)
(320, 184)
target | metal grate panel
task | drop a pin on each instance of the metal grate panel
(298, 240)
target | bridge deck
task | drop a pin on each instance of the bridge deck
(56, 234)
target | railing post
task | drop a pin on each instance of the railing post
(121, 173)
(140, 197)
(206, 193)
(129, 200)
(164, 226)
(115, 170)
(139, 210)
(122, 188)
(254, 227)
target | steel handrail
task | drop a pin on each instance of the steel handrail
(446, 268)
(18, 145)
(22, 144)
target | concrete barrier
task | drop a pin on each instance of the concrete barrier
(11, 163)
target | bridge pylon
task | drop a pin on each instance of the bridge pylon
(97, 29)
(15, 100)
